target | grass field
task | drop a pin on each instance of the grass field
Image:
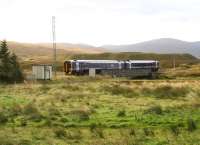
(101, 111)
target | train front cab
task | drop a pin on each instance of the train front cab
(68, 67)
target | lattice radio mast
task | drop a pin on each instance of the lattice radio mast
(54, 44)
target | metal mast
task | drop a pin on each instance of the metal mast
(54, 44)
(174, 62)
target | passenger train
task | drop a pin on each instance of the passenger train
(82, 67)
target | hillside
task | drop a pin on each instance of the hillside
(25, 50)
(37, 53)
(164, 45)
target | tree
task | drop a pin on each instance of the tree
(9, 67)
(16, 70)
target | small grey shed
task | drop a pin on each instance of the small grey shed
(42, 72)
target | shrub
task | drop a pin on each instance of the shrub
(191, 125)
(121, 113)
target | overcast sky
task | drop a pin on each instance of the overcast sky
(99, 22)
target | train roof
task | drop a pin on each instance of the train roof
(113, 61)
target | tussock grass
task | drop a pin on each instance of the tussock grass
(155, 109)
(168, 91)
(78, 110)
(120, 90)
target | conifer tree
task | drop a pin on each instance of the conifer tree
(9, 67)
(16, 70)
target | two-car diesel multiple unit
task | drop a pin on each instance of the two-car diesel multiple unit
(117, 67)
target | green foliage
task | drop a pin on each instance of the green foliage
(121, 113)
(191, 125)
(10, 70)
(100, 115)
(175, 129)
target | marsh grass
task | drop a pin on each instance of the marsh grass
(3, 116)
(155, 109)
(167, 92)
(120, 90)
(81, 114)
(32, 112)
(121, 113)
(191, 125)
(101, 111)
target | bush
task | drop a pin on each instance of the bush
(191, 125)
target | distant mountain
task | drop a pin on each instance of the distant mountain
(164, 45)
(45, 49)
